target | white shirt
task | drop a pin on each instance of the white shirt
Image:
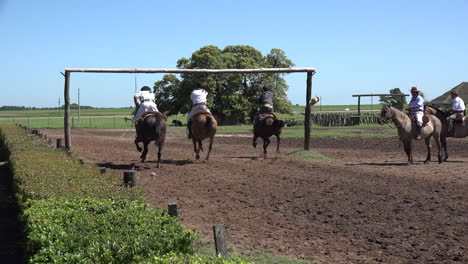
(145, 96)
(198, 96)
(458, 104)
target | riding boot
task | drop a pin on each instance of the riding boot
(418, 132)
(189, 128)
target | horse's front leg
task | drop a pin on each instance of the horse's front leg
(429, 147)
(407, 146)
(209, 148)
(145, 151)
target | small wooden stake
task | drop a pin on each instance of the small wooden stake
(59, 143)
(172, 209)
(131, 178)
(103, 170)
(220, 241)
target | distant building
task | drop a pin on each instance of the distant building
(446, 99)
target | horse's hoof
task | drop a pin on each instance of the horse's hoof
(139, 149)
(254, 145)
(197, 157)
(426, 161)
(445, 159)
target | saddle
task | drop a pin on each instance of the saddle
(199, 113)
(149, 113)
(425, 119)
(261, 117)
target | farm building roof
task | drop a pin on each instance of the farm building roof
(462, 89)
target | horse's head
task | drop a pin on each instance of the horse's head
(385, 115)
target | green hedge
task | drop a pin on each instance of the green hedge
(74, 214)
(41, 173)
(101, 231)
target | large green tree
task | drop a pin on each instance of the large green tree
(232, 97)
(394, 100)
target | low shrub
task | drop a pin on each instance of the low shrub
(41, 173)
(192, 259)
(101, 231)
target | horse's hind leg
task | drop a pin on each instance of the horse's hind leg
(145, 151)
(209, 148)
(161, 146)
(429, 147)
(254, 142)
(407, 145)
(443, 141)
(266, 142)
(278, 139)
(137, 146)
(439, 148)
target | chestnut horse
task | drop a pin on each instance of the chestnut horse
(406, 131)
(204, 126)
(266, 125)
(152, 127)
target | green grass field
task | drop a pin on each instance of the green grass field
(114, 119)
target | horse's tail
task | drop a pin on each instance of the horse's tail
(209, 122)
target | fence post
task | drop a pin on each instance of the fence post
(220, 241)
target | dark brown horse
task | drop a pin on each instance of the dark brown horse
(266, 125)
(152, 127)
(460, 130)
(203, 126)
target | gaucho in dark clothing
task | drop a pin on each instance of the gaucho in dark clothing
(266, 102)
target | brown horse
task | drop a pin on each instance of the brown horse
(266, 125)
(460, 130)
(407, 127)
(151, 127)
(203, 126)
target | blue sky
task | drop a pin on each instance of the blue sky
(359, 46)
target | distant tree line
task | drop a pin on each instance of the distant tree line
(72, 106)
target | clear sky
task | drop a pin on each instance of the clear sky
(359, 46)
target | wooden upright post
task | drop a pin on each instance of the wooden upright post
(359, 105)
(307, 112)
(220, 241)
(66, 125)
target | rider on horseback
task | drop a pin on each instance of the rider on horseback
(147, 103)
(265, 102)
(416, 110)
(198, 97)
(457, 112)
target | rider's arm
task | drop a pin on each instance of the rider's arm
(135, 100)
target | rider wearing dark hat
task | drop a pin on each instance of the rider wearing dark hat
(457, 112)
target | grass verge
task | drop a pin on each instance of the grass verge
(305, 154)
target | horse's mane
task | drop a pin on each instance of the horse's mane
(435, 108)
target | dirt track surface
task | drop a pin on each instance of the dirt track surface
(366, 206)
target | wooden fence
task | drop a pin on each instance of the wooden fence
(337, 119)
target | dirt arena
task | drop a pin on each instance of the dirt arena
(365, 206)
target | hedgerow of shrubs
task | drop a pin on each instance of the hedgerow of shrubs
(101, 231)
(74, 214)
(41, 173)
